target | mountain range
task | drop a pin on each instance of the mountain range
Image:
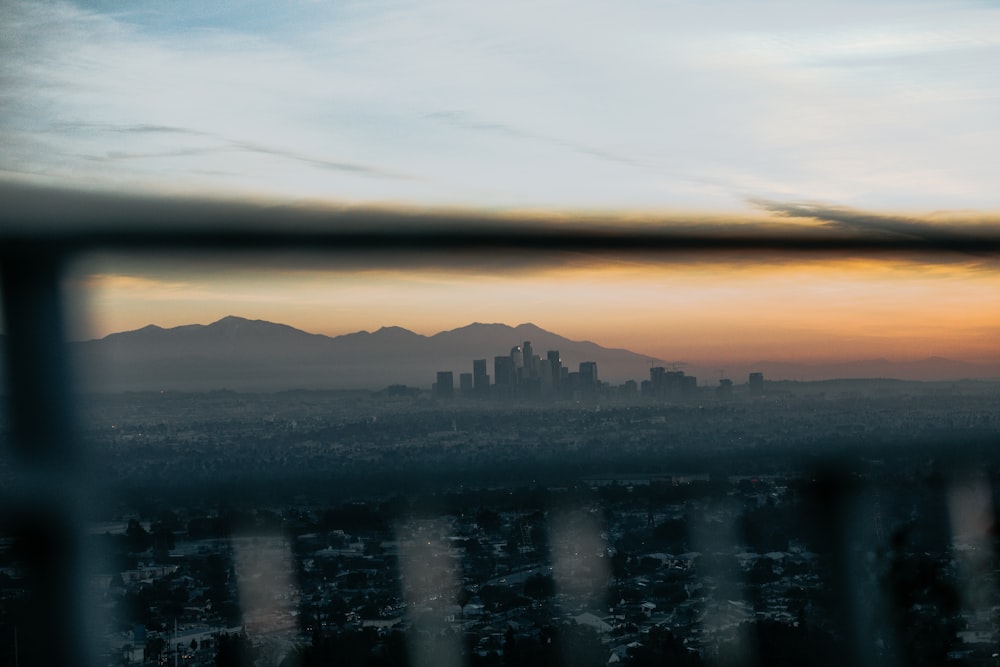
(254, 355)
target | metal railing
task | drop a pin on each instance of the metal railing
(42, 230)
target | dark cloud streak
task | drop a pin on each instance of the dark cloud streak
(955, 239)
(891, 225)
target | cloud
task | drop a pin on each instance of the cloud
(671, 106)
(222, 144)
(317, 162)
(956, 230)
(466, 121)
(126, 129)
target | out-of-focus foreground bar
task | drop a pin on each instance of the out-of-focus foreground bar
(40, 230)
(36, 219)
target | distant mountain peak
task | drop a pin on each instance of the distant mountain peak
(495, 326)
(393, 329)
(395, 334)
(481, 325)
(237, 321)
(233, 319)
(530, 326)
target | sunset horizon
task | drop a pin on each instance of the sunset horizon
(672, 356)
(835, 124)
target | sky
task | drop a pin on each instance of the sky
(671, 110)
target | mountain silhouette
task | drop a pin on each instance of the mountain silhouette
(255, 355)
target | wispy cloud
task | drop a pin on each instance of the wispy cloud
(251, 147)
(466, 121)
(927, 228)
(220, 144)
(951, 239)
(68, 126)
(676, 107)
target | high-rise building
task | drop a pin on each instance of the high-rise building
(555, 365)
(756, 384)
(588, 374)
(673, 381)
(545, 376)
(516, 357)
(445, 385)
(480, 380)
(658, 380)
(465, 383)
(503, 375)
(529, 360)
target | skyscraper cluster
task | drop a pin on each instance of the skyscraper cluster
(521, 374)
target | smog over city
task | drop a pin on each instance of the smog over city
(451, 334)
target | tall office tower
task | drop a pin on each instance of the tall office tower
(445, 385)
(465, 383)
(529, 360)
(588, 374)
(630, 389)
(480, 380)
(658, 380)
(517, 357)
(545, 376)
(673, 381)
(517, 362)
(555, 365)
(756, 384)
(503, 376)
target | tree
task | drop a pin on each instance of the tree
(488, 520)
(154, 647)
(138, 538)
(234, 651)
(162, 537)
(619, 562)
(539, 586)
(462, 599)
(511, 655)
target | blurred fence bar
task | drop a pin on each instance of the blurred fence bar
(40, 231)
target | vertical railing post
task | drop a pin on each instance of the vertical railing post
(44, 512)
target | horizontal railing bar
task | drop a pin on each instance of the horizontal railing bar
(475, 240)
(51, 220)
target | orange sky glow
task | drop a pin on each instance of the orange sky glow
(831, 118)
(707, 311)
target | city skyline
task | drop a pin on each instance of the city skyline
(283, 357)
